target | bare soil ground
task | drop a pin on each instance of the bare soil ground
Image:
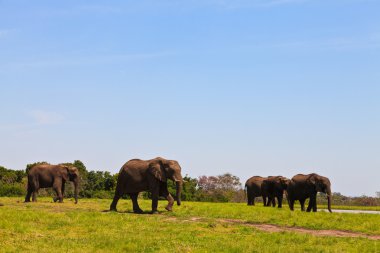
(270, 228)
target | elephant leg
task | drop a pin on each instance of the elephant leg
(253, 201)
(249, 201)
(279, 200)
(168, 196)
(311, 203)
(63, 189)
(273, 199)
(28, 194)
(154, 204)
(291, 204)
(302, 201)
(114, 201)
(314, 206)
(56, 198)
(57, 189)
(265, 200)
(309, 207)
(155, 193)
(34, 196)
(136, 208)
(165, 193)
(36, 186)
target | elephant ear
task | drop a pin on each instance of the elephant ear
(312, 180)
(65, 172)
(284, 182)
(157, 171)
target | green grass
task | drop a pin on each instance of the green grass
(48, 227)
(365, 208)
(366, 223)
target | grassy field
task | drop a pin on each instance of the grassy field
(192, 227)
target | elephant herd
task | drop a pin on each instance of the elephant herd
(300, 187)
(137, 176)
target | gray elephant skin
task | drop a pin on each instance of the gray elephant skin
(302, 187)
(274, 187)
(148, 175)
(55, 176)
(253, 189)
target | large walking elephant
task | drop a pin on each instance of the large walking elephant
(274, 187)
(46, 176)
(148, 175)
(253, 189)
(302, 187)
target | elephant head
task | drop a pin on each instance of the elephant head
(72, 174)
(284, 182)
(164, 169)
(321, 184)
(277, 182)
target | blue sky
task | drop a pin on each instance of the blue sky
(259, 87)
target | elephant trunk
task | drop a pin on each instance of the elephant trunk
(329, 196)
(178, 191)
(76, 190)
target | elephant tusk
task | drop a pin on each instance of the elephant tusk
(176, 180)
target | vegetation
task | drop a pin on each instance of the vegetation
(45, 227)
(12, 182)
(99, 184)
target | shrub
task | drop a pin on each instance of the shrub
(13, 190)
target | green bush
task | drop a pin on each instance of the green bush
(13, 190)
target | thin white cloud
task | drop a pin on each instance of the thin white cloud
(46, 118)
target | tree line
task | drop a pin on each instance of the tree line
(102, 184)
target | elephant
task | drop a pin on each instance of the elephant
(302, 187)
(274, 187)
(46, 176)
(148, 175)
(253, 189)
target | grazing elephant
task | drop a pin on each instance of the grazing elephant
(46, 176)
(302, 187)
(274, 187)
(148, 175)
(253, 189)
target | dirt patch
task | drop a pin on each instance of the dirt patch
(277, 229)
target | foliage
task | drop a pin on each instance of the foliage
(12, 190)
(222, 188)
(339, 199)
(97, 182)
(11, 182)
(101, 184)
(189, 188)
